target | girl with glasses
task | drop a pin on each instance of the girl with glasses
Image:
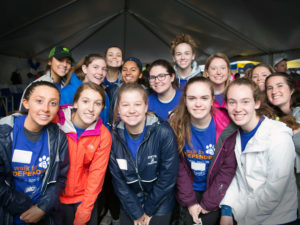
(164, 83)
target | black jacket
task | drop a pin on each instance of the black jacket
(150, 179)
(13, 202)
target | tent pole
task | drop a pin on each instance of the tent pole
(224, 26)
(125, 26)
(38, 18)
(143, 22)
(106, 20)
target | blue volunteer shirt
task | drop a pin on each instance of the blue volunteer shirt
(220, 98)
(79, 130)
(246, 136)
(108, 83)
(203, 141)
(134, 144)
(182, 83)
(29, 162)
(163, 109)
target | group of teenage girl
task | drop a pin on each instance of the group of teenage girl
(184, 148)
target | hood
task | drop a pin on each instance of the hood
(196, 70)
(268, 128)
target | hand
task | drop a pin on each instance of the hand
(33, 215)
(147, 219)
(194, 211)
(226, 220)
(139, 221)
(296, 131)
(202, 210)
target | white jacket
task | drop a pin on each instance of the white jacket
(263, 190)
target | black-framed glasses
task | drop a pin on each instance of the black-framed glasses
(160, 77)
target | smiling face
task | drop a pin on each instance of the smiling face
(89, 107)
(241, 107)
(183, 56)
(95, 72)
(199, 101)
(131, 72)
(218, 71)
(281, 67)
(279, 93)
(259, 75)
(132, 110)
(164, 84)
(59, 68)
(114, 57)
(42, 107)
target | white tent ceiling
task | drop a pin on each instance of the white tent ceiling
(145, 28)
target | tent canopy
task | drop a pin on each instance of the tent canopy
(241, 29)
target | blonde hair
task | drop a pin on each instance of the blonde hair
(221, 56)
(129, 87)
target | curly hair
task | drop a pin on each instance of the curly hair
(183, 38)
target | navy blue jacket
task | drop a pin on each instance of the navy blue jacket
(146, 184)
(13, 202)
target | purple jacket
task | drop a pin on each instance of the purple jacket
(221, 170)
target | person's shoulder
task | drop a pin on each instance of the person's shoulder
(274, 128)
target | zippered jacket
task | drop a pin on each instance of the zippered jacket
(263, 190)
(147, 184)
(13, 202)
(221, 169)
(89, 157)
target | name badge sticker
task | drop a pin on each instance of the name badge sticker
(21, 156)
(122, 164)
(199, 166)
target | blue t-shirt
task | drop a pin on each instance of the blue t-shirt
(220, 98)
(246, 136)
(108, 83)
(29, 162)
(58, 85)
(79, 130)
(182, 83)
(203, 141)
(163, 109)
(134, 144)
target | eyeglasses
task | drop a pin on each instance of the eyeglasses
(160, 77)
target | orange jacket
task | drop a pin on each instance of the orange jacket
(89, 157)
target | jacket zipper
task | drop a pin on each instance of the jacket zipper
(135, 163)
(219, 154)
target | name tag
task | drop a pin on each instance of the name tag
(21, 156)
(198, 166)
(122, 164)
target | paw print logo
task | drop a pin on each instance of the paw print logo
(43, 162)
(210, 149)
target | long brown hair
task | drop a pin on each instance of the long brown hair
(181, 118)
(77, 69)
(258, 96)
